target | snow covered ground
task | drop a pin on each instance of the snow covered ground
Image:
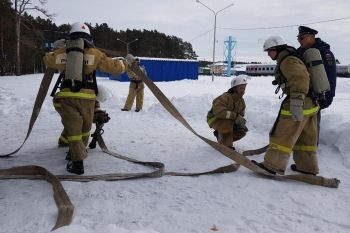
(237, 202)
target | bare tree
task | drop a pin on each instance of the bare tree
(5, 24)
(22, 6)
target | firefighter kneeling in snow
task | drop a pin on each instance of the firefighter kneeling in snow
(78, 61)
(227, 113)
(295, 129)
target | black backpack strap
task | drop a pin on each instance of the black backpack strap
(292, 52)
(315, 63)
(95, 82)
(59, 80)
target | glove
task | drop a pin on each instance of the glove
(240, 120)
(101, 117)
(241, 130)
(296, 108)
(240, 126)
(130, 59)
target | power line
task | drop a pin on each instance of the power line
(267, 28)
(286, 26)
(202, 34)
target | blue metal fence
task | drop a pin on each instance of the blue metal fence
(161, 69)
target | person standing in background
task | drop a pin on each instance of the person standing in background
(136, 89)
(306, 38)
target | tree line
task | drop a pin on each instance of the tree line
(22, 53)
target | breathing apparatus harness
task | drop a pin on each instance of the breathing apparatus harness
(280, 79)
(318, 77)
(73, 77)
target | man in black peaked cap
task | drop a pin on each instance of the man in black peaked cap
(307, 39)
(306, 30)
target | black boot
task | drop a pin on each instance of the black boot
(216, 134)
(293, 167)
(76, 167)
(68, 156)
(263, 167)
(124, 109)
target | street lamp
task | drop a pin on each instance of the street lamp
(127, 44)
(215, 14)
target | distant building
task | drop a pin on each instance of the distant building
(218, 68)
(204, 71)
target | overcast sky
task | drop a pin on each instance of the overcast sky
(194, 23)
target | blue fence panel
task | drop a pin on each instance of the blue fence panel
(162, 70)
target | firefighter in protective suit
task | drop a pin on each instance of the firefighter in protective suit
(227, 113)
(78, 92)
(136, 89)
(63, 140)
(295, 129)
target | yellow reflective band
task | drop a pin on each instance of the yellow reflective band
(211, 120)
(74, 138)
(79, 95)
(63, 139)
(57, 105)
(284, 149)
(305, 148)
(86, 134)
(306, 112)
(311, 110)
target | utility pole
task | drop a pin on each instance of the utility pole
(127, 44)
(215, 14)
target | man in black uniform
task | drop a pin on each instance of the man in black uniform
(307, 39)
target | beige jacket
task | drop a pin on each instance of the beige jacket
(293, 73)
(94, 59)
(225, 110)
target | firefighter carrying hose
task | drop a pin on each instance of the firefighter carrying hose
(77, 62)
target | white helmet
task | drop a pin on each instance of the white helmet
(239, 80)
(79, 27)
(274, 41)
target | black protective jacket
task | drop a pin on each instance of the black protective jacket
(330, 67)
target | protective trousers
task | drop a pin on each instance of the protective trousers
(136, 89)
(299, 137)
(228, 138)
(62, 140)
(77, 115)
